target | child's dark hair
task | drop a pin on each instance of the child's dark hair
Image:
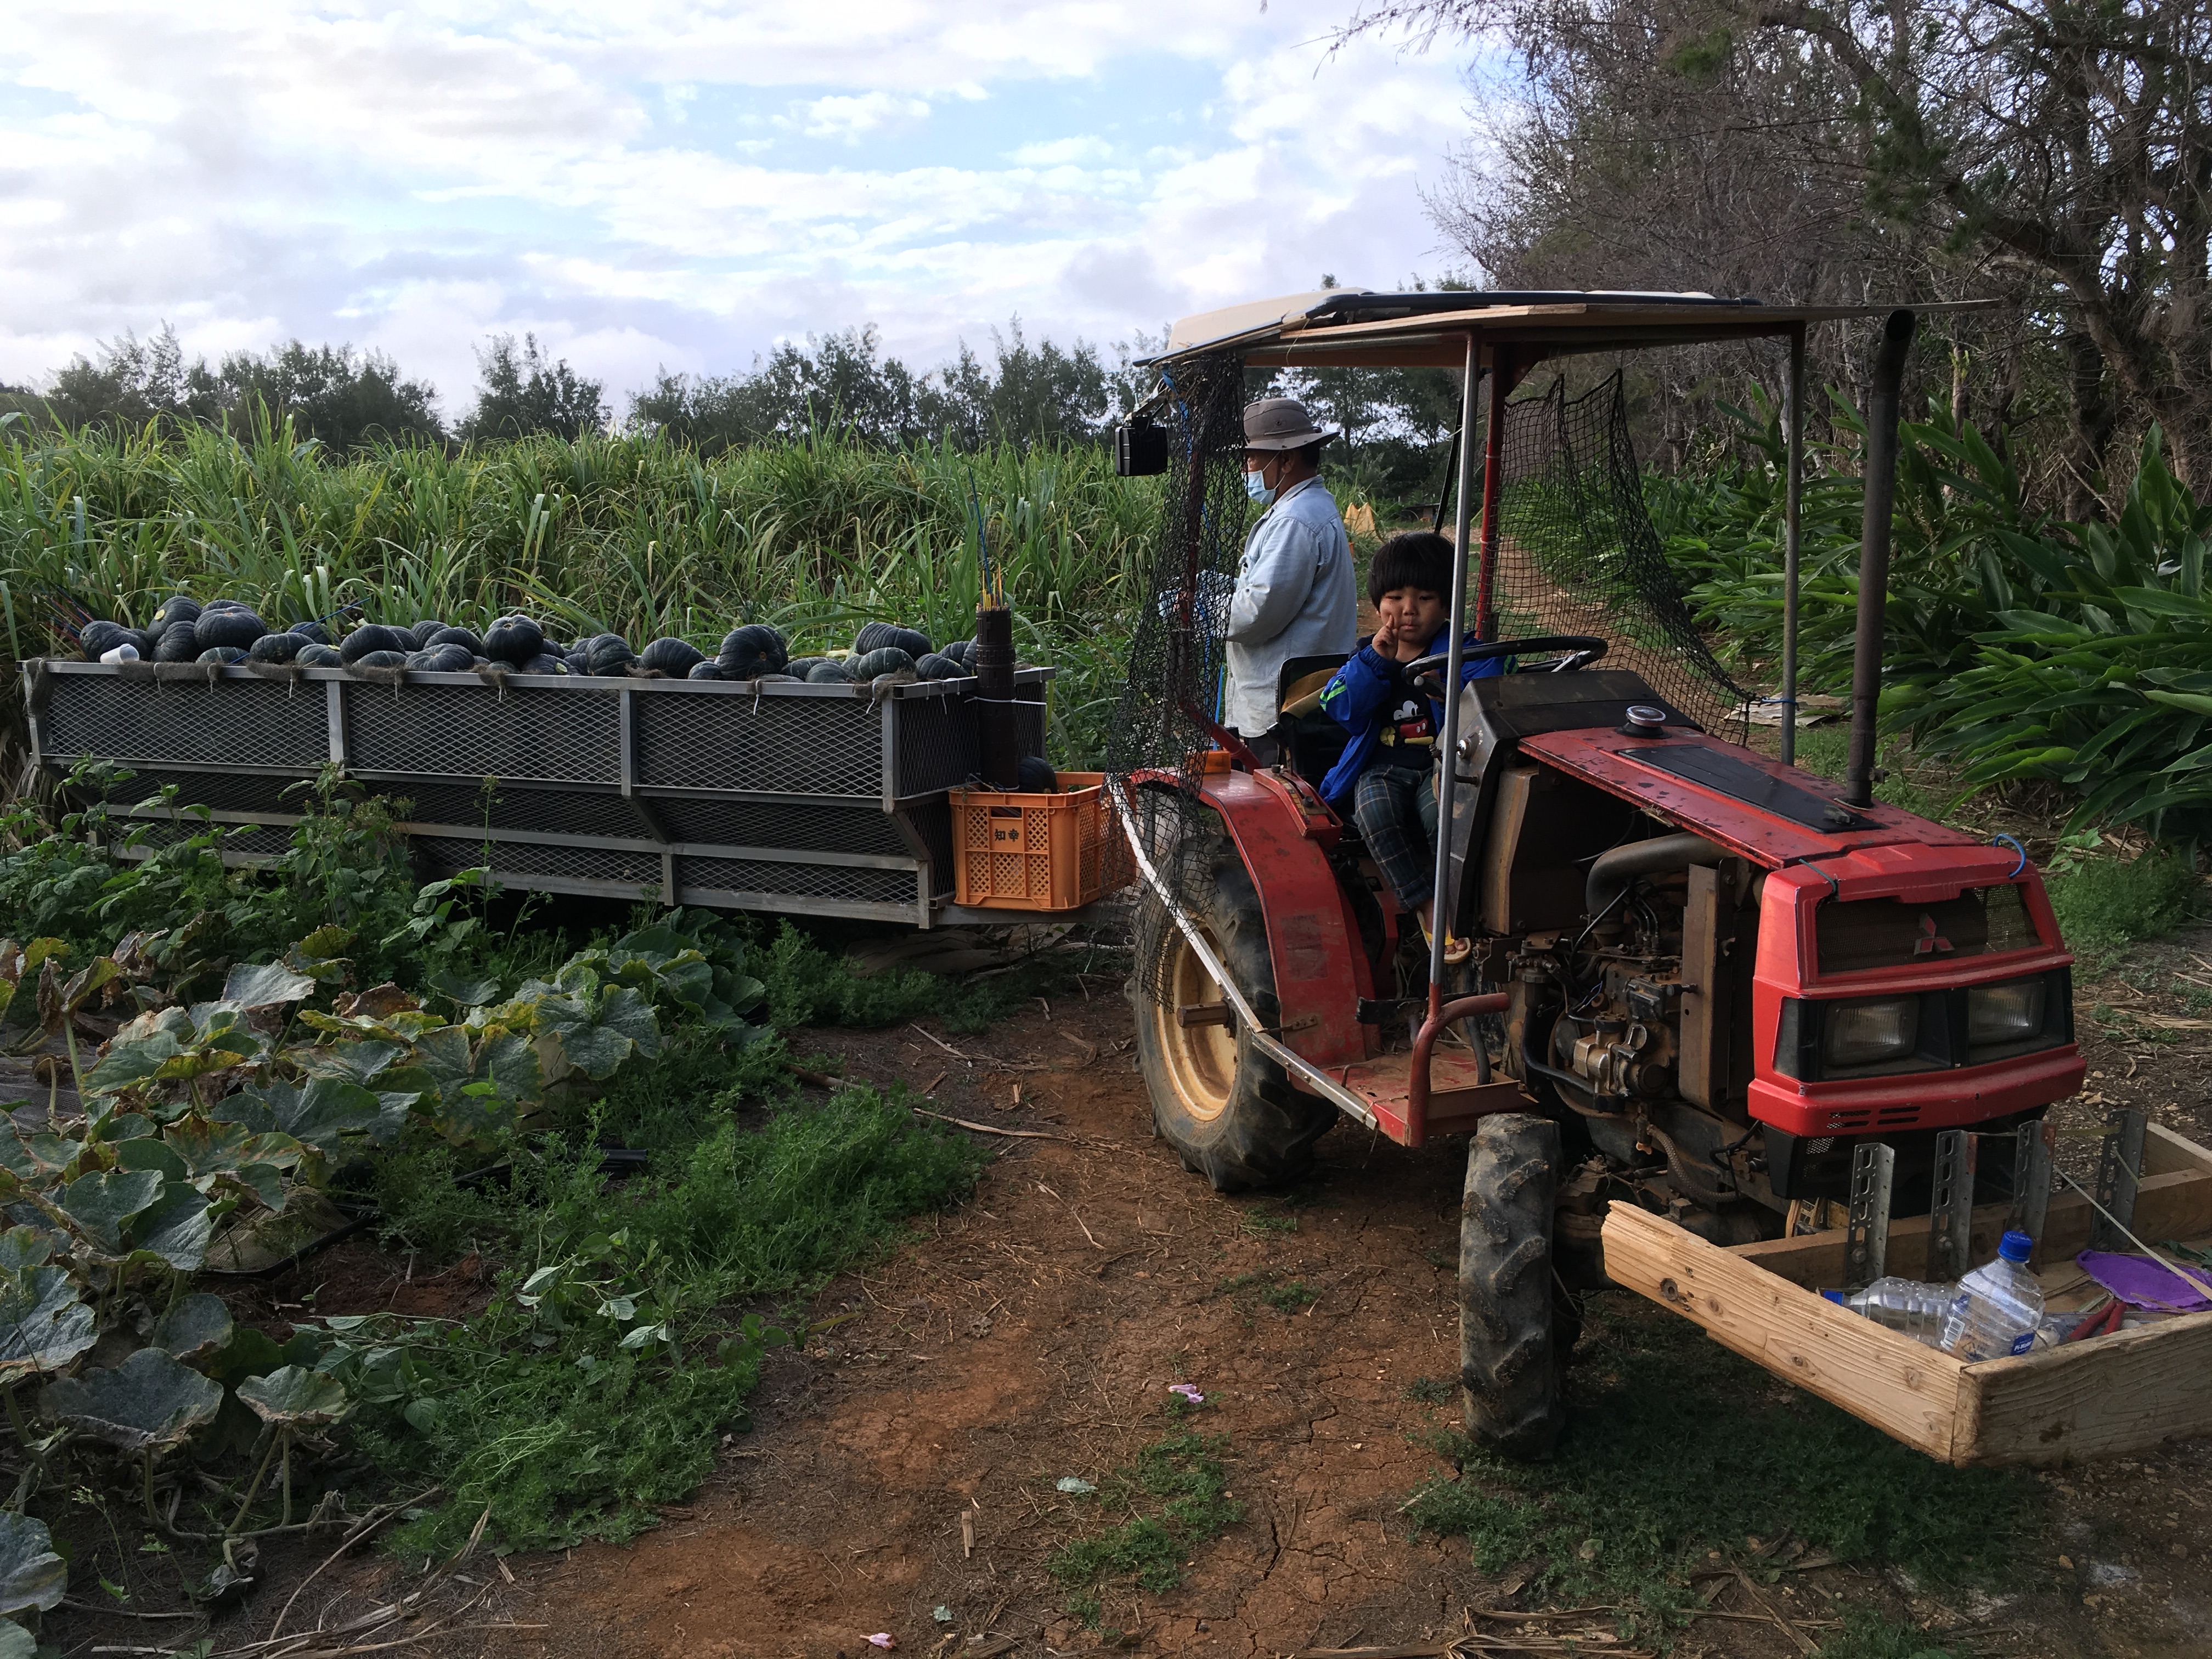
(1412, 558)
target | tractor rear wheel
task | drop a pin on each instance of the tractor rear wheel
(1510, 1354)
(1226, 1107)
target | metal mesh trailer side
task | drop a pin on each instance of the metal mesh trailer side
(805, 799)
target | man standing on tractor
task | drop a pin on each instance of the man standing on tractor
(1295, 595)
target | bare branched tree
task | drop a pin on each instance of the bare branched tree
(2059, 150)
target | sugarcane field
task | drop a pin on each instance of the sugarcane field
(1507, 954)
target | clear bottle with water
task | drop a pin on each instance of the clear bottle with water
(1997, 1307)
(1908, 1306)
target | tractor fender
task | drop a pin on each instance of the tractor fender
(1282, 832)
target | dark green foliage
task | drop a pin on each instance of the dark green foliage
(522, 391)
(547, 1415)
(2103, 902)
(1176, 1495)
(810, 985)
(840, 383)
(1675, 1446)
(1868, 1635)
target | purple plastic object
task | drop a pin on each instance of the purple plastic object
(2145, 1284)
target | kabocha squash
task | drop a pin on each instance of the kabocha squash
(371, 637)
(225, 655)
(884, 659)
(96, 639)
(381, 659)
(179, 642)
(183, 607)
(442, 659)
(313, 632)
(962, 652)
(423, 632)
(545, 663)
(1033, 776)
(320, 656)
(937, 667)
(672, 657)
(514, 640)
(606, 655)
(705, 669)
(229, 625)
(748, 652)
(800, 668)
(276, 648)
(460, 636)
(876, 637)
(828, 674)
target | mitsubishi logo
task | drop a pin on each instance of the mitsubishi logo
(1929, 941)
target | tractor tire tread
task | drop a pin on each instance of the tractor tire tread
(1511, 1359)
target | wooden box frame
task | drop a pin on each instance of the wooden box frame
(2115, 1395)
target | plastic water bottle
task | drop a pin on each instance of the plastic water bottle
(1998, 1307)
(1908, 1306)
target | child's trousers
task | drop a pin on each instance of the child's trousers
(1388, 803)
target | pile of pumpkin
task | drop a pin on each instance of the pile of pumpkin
(226, 631)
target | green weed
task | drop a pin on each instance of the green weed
(1433, 1391)
(2106, 902)
(1288, 1298)
(1177, 1493)
(1675, 1447)
(1263, 1224)
(1869, 1635)
(574, 1427)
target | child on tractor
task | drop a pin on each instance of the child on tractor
(1387, 774)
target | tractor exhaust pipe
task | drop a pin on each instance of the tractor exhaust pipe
(1873, 552)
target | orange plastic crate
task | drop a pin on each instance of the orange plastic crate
(1017, 851)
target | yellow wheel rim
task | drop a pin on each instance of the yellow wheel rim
(1201, 1059)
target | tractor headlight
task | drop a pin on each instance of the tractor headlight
(1870, 1031)
(2011, 1013)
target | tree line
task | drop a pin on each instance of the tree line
(345, 397)
(2054, 154)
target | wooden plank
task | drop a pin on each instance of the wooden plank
(1702, 1064)
(2176, 1204)
(2167, 1153)
(1909, 1391)
(2111, 1394)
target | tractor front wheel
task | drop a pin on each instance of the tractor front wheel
(1225, 1106)
(1511, 1354)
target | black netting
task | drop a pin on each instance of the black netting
(1165, 720)
(1577, 554)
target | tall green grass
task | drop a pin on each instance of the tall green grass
(631, 534)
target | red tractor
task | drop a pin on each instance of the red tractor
(1701, 977)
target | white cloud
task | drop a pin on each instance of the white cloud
(853, 119)
(646, 185)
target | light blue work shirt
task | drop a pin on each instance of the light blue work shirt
(1295, 597)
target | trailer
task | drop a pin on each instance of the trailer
(776, 795)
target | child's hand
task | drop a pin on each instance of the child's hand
(1386, 637)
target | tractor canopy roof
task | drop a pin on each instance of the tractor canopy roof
(1346, 328)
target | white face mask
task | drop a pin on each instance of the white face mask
(1256, 486)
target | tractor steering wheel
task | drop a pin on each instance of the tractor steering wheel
(1582, 649)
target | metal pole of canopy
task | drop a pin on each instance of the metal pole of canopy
(1455, 652)
(1792, 413)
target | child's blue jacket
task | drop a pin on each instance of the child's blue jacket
(1362, 695)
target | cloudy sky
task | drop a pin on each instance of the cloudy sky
(685, 182)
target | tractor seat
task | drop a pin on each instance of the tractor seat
(1311, 740)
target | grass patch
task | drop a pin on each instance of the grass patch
(808, 985)
(1433, 1390)
(1177, 1499)
(1826, 751)
(1245, 1291)
(613, 1353)
(2105, 903)
(1869, 1635)
(1264, 1225)
(1676, 1448)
